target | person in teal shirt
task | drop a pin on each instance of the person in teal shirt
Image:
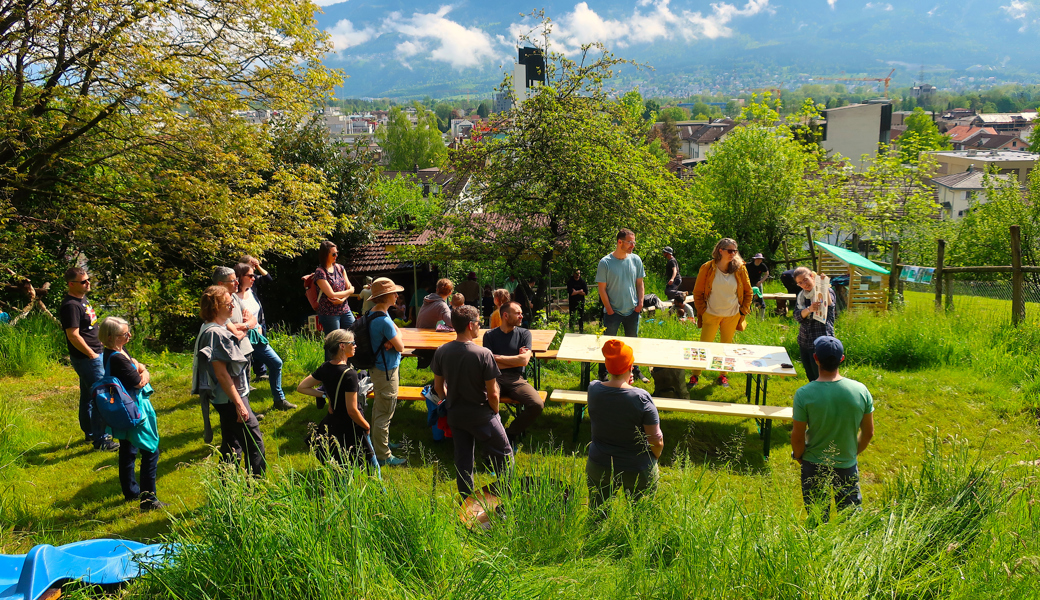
(833, 424)
(143, 440)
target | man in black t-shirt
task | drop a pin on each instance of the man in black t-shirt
(465, 375)
(79, 322)
(511, 346)
(672, 278)
(577, 289)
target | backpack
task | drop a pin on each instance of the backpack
(310, 287)
(364, 358)
(117, 407)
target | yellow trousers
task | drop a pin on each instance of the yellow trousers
(713, 324)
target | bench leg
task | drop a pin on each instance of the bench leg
(537, 373)
(579, 414)
(747, 388)
(767, 429)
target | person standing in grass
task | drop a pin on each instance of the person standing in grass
(722, 298)
(220, 365)
(142, 440)
(626, 431)
(809, 329)
(577, 289)
(263, 353)
(619, 276)
(79, 322)
(465, 375)
(387, 345)
(345, 424)
(833, 425)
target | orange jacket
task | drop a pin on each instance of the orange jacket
(702, 288)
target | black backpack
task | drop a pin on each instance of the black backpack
(364, 358)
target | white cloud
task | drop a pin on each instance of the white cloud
(878, 5)
(651, 20)
(931, 13)
(327, 2)
(1026, 11)
(452, 43)
(832, 3)
(344, 35)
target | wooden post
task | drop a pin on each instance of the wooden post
(938, 276)
(893, 275)
(812, 250)
(787, 256)
(949, 290)
(1018, 305)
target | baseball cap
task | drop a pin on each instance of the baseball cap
(828, 347)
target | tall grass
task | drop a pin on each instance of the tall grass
(303, 351)
(940, 530)
(30, 346)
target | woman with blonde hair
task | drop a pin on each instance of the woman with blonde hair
(501, 296)
(143, 440)
(722, 297)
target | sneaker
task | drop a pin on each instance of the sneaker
(284, 405)
(392, 461)
(259, 417)
(150, 502)
(107, 445)
(723, 381)
(644, 378)
(264, 377)
(693, 380)
(394, 446)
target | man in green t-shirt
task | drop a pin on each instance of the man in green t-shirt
(833, 424)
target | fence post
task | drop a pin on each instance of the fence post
(787, 257)
(938, 276)
(893, 275)
(949, 290)
(812, 250)
(1018, 305)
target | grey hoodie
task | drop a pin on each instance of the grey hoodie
(434, 309)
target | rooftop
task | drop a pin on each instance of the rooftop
(990, 156)
(968, 180)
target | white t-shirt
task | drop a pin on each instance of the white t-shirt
(723, 300)
(250, 303)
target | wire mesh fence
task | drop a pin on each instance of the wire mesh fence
(989, 300)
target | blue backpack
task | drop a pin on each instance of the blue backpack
(118, 408)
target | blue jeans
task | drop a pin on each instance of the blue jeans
(819, 481)
(812, 371)
(149, 466)
(90, 421)
(264, 354)
(330, 323)
(614, 322)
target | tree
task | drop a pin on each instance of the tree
(119, 140)
(401, 204)
(1034, 138)
(650, 110)
(483, 110)
(562, 174)
(407, 145)
(673, 113)
(921, 135)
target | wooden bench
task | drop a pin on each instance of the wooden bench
(537, 365)
(763, 415)
(414, 394)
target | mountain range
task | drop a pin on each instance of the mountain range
(399, 48)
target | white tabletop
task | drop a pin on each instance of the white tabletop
(683, 354)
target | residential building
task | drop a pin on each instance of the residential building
(698, 137)
(432, 180)
(958, 192)
(1015, 162)
(1005, 122)
(983, 140)
(855, 131)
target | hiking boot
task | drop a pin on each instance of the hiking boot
(150, 502)
(284, 405)
(392, 461)
(107, 444)
(723, 381)
(394, 446)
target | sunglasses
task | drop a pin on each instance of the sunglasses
(250, 275)
(82, 281)
(730, 250)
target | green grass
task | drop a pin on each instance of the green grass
(949, 511)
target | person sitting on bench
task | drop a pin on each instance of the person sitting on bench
(511, 345)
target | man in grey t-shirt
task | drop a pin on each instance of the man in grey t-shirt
(619, 276)
(465, 375)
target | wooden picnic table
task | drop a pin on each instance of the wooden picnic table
(757, 362)
(428, 339)
(781, 299)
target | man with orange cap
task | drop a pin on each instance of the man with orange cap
(626, 430)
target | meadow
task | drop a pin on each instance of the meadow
(950, 485)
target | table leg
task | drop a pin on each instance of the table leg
(758, 392)
(747, 388)
(766, 430)
(579, 414)
(537, 373)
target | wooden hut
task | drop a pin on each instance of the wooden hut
(868, 282)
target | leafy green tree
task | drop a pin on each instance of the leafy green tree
(1034, 138)
(563, 173)
(921, 135)
(401, 204)
(484, 109)
(651, 108)
(673, 113)
(407, 145)
(118, 138)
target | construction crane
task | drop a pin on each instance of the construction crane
(885, 80)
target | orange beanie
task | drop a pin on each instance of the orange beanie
(619, 357)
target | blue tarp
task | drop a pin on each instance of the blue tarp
(96, 562)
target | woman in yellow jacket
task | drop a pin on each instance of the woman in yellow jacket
(722, 297)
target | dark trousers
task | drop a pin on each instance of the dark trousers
(128, 454)
(470, 425)
(238, 438)
(576, 308)
(613, 323)
(516, 388)
(819, 481)
(90, 421)
(671, 292)
(812, 370)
